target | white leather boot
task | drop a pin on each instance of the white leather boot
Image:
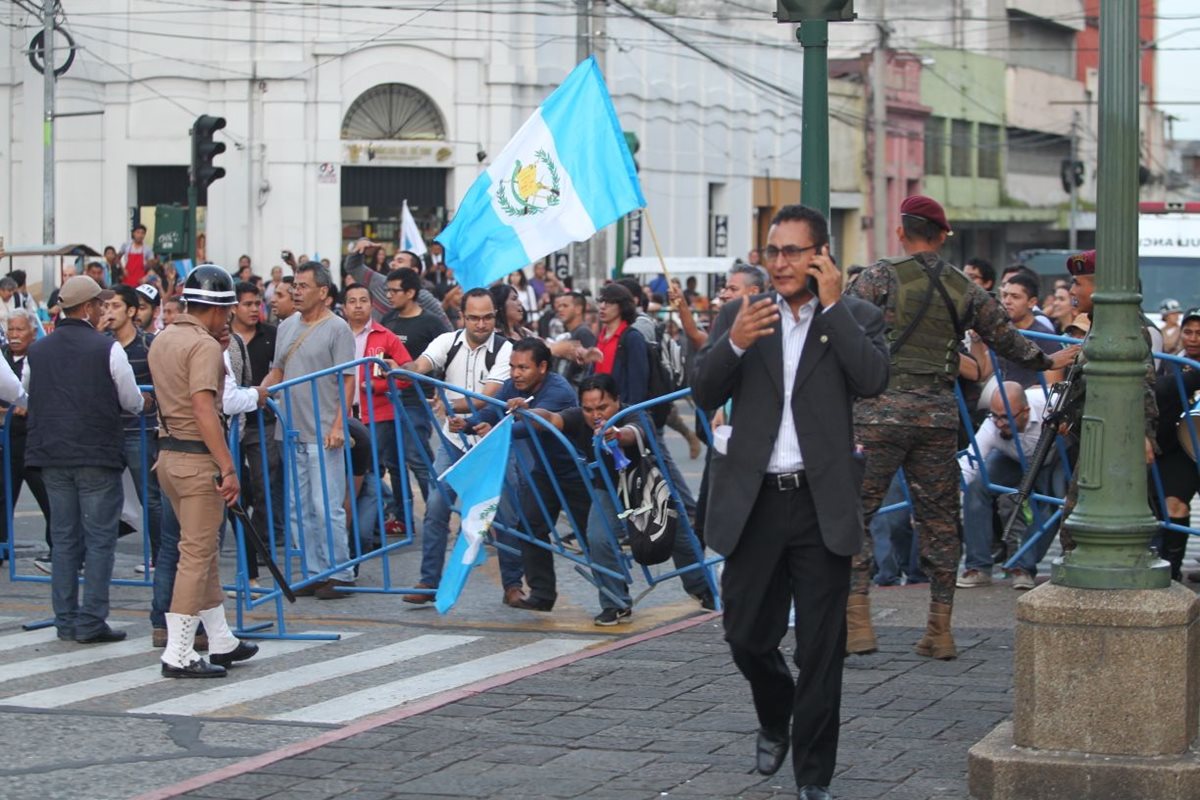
(180, 659)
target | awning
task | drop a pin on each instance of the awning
(643, 265)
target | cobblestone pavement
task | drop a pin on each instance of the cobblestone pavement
(663, 717)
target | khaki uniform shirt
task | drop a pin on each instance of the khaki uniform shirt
(185, 360)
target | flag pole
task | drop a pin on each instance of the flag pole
(657, 250)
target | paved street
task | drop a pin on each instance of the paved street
(486, 701)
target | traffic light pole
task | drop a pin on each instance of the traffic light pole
(193, 200)
(813, 36)
(1112, 523)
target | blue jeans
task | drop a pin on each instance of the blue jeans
(423, 425)
(166, 562)
(435, 533)
(318, 513)
(152, 505)
(675, 476)
(977, 511)
(602, 529)
(895, 544)
(85, 512)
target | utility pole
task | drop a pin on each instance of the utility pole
(49, 8)
(879, 199)
(1073, 225)
(582, 253)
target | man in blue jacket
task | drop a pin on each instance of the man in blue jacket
(532, 380)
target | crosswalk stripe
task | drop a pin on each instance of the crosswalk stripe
(388, 695)
(229, 694)
(75, 658)
(14, 641)
(131, 679)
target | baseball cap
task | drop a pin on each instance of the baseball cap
(1170, 306)
(918, 205)
(1081, 322)
(77, 290)
(1082, 263)
(151, 293)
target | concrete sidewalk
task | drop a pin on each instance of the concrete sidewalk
(656, 716)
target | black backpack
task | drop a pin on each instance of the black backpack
(650, 515)
(659, 381)
(489, 357)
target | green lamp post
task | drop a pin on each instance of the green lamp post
(1112, 524)
(814, 17)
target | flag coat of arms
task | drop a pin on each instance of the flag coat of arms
(478, 482)
(566, 174)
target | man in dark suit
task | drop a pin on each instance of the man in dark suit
(787, 515)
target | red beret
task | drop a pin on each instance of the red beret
(926, 208)
(1082, 263)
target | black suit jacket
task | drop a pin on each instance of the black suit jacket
(844, 357)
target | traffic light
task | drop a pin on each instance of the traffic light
(204, 150)
(632, 142)
(831, 10)
(1072, 173)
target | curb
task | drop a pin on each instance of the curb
(404, 712)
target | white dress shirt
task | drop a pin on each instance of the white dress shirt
(793, 331)
(990, 441)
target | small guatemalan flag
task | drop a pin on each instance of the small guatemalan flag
(565, 175)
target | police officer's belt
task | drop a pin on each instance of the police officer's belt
(182, 445)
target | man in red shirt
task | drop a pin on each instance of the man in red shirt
(134, 255)
(372, 340)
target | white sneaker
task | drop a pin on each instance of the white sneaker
(44, 565)
(232, 593)
(140, 569)
(972, 578)
(1022, 580)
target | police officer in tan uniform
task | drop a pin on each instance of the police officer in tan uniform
(196, 471)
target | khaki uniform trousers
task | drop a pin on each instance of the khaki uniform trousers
(187, 481)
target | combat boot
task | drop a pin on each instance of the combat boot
(860, 635)
(938, 642)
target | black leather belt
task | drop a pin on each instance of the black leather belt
(786, 481)
(182, 445)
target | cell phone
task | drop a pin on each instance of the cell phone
(285, 254)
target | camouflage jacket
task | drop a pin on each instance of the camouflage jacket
(934, 406)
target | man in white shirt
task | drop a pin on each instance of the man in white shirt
(475, 358)
(1006, 440)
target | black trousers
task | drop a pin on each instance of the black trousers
(538, 561)
(779, 562)
(259, 486)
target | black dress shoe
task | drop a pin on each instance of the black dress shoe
(196, 669)
(105, 634)
(533, 605)
(814, 793)
(770, 751)
(66, 636)
(243, 651)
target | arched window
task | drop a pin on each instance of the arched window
(394, 111)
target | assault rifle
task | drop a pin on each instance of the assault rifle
(1064, 396)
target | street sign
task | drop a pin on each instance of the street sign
(718, 235)
(560, 262)
(634, 247)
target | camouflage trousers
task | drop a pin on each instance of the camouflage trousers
(934, 483)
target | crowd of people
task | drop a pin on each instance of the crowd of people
(904, 339)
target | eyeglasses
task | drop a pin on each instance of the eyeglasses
(791, 253)
(1004, 417)
(476, 320)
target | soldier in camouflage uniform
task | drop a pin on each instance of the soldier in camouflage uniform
(928, 305)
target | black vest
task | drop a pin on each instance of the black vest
(74, 413)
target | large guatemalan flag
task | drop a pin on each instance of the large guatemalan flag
(565, 175)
